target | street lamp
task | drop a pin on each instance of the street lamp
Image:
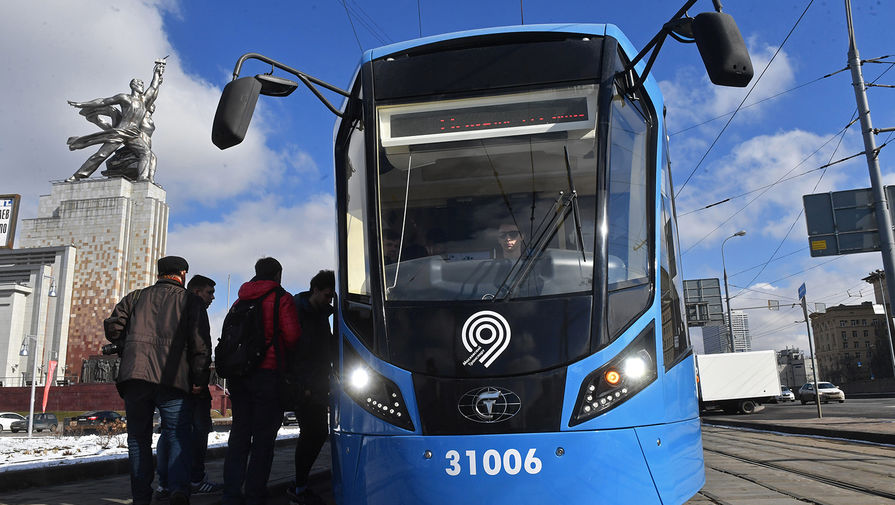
(727, 290)
(24, 352)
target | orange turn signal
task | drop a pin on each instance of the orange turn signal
(612, 377)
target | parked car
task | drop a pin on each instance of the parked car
(7, 418)
(97, 417)
(827, 392)
(42, 422)
(786, 395)
(289, 418)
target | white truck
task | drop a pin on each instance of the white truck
(737, 381)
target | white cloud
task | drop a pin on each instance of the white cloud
(61, 50)
(751, 167)
(691, 98)
(299, 235)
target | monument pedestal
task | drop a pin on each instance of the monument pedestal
(120, 229)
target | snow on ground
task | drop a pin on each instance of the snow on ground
(20, 453)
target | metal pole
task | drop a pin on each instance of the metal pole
(37, 356)
(727, 297)
(881, 206)
(888, 325)
(727, 290)
(813, 358)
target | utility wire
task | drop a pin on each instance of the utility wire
(753, 104)
(419, 17)
(718, 137)
(801, 249)
(802, 210)
(352, 26)
(785, 179)
(806, 158)
(369, 23)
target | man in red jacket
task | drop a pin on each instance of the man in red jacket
(257, 413)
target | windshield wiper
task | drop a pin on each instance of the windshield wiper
(575, 211)
(565, 204)
(524, 265)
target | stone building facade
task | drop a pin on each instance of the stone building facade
(851, 344)
(119, 228)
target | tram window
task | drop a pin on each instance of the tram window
(358, 266)
(675, 339)
(630, 243)
(444, 206)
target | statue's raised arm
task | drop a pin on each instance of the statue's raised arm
(152, 91)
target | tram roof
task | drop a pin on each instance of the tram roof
(576, 28)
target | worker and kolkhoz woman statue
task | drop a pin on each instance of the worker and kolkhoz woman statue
(127, 127)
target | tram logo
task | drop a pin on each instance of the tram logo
(486, 334)
(489, 404)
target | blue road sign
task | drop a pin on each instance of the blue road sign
(802, 291)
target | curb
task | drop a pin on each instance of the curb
(863, 436)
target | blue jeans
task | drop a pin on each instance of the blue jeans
(140, 401)
(257, 416)
(200, 428)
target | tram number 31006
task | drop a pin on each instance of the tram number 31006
(493, 462)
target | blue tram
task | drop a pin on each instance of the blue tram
(510, 316)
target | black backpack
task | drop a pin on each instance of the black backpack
(242, 345)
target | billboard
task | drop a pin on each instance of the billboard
(9, 212)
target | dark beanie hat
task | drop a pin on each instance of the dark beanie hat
(172, 265)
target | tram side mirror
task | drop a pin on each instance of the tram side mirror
(722, 49)
(234, 113)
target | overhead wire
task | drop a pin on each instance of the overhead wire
(369, 23)
(800, 163)
(753, 104)
(419, 17)
(353, 29)
(718, 137)
(802, 210)
(781, 180)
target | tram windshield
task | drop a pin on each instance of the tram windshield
(490, 197)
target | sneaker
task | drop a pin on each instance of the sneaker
(304, 497)
(205, 487)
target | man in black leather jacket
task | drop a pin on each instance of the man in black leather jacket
(163, 335)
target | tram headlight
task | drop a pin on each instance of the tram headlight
(359, 379)
(618, 380)
(372, 391)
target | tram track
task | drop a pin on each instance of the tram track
(808, 475)
(833, 472)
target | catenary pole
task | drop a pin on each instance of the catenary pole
(881, 206)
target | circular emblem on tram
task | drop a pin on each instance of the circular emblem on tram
(489, 404)
(486, 334)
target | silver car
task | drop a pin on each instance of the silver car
(828, 392)
(786, 395)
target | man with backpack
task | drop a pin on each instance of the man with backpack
(162, 336)
(263, 310)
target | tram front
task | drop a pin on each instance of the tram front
(500, 325)
(509, 322)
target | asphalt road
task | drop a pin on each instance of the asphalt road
(878, 408)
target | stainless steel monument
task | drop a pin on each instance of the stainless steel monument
(127, 127)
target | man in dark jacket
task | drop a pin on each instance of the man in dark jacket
(257, 414)
(312, 362)
(163, 336)
(201, 425)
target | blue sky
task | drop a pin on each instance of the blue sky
(273, 196)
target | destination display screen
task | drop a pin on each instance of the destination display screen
(490, 117)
